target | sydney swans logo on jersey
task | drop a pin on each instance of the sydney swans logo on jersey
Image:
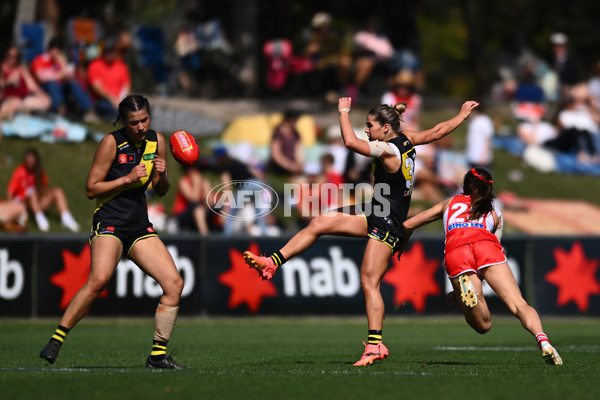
(242, 199)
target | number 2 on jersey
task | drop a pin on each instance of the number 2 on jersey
(455, 213)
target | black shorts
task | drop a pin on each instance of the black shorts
(379, 228)
(127, 235)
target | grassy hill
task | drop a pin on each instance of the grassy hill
(67, 165)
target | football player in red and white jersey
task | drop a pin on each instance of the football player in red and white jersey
(473, 228)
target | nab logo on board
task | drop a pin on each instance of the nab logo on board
(332, 275)
(321, 276)
(129, 278)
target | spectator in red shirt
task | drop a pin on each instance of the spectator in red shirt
(189, 208)
(109, 80)
(29, 185)
(19, 91)
(56, 76)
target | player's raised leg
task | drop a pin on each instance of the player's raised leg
(330, 223)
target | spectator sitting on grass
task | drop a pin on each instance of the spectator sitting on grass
(13, 216)
(29, 186)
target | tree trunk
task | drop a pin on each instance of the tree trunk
(475, 54)
(245, 39)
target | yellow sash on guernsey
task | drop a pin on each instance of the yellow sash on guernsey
(147, 160)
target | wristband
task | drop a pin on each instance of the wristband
(341, 110)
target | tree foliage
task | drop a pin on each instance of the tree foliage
(456, 39)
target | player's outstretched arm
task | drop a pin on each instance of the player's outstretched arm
(443, 128)
(424, 217)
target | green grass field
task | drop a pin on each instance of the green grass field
(301, 358)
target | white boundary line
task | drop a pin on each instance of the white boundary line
(581, 349)
(226, 372)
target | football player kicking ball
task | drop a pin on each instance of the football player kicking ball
(393, 151)
(473, 227)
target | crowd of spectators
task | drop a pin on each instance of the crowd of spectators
(20, 91)
(51, 83)
(335, 59)
(554, 106)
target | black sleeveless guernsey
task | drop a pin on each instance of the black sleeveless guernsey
(128, 207)
(400, 185)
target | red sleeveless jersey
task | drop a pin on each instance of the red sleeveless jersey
(461, 230)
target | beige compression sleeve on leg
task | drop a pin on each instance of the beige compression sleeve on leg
(164, 321)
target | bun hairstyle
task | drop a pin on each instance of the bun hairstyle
(132, 103)
(479, 185)
(385, 114)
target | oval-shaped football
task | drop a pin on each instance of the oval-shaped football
(184, 147)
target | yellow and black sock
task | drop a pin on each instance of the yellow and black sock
(375, 337)
(159, 350)
(60, 334)
(278, 259)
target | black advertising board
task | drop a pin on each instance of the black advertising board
(62, 267)
(39, 274)
(566, 278)
(323, 280)
(16, 277)
(65, 268)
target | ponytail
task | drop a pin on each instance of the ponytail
(478, 184)
(385, 114)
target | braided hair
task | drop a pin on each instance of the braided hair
(132, 103)
(385, 114)
(478, 184)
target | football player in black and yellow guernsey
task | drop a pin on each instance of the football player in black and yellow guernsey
(380, 219)
(126, 162)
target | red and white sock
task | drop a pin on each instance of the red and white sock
(541, 339)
